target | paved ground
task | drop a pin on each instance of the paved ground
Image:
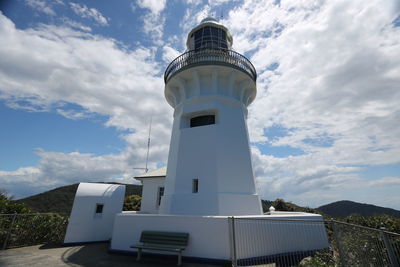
(87, 255)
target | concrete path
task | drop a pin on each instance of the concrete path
(87, 255)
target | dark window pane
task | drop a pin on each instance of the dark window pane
(202, 120)
(160, 194)
(195, 186)
(214, 31)
(198, 34)
(223, 35)
(207, 31)
(99, 208)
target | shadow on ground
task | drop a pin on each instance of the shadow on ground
(98, 255)
(83, 255)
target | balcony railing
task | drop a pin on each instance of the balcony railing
(210, 56)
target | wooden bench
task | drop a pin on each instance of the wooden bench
(162, 241)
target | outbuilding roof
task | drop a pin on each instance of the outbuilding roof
(160, 172)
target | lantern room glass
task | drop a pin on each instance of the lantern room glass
(210, 37)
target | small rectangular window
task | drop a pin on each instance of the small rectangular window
(202, 120)
(99, 208)
(195, 186)
(160, 194)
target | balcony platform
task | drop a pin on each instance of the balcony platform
(210, 56)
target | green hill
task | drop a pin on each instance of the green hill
(60, 200)
(345, 208)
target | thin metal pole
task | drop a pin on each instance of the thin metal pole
(392, 257)
(148, 143)
(9, 231)
(233, 238)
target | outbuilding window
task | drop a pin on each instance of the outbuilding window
(202, 120)
(99, 208)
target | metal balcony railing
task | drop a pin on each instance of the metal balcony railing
(210, 56)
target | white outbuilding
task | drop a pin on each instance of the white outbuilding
(92, 216)
(152, 190)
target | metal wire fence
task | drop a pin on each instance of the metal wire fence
(18, 230)
(277, 242)
(363, 246)
(290, 242)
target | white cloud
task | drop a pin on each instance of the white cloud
(41, 6)
(386, 181)
(193, 2)
(155, 6)
(86, 12)
(73, 114)
(169, 54)
(57, 169)
(76, 25)
(329, 73)
(44, 68)
(153, 21)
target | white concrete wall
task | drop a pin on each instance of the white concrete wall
(209, 236)
(84, 224)
(217, 155)
(149, 203)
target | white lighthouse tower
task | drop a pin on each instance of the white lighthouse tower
(209, 163)
(208, 192)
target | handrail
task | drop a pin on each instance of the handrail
(210, 56)
(366, 228)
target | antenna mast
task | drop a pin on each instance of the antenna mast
(148, 142)
(148, 147)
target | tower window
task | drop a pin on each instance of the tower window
(160, 194)
(99, 208)
(195, 185)
(202, 120)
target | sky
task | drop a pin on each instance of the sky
(79, 81)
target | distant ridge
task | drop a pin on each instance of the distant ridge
(60, 199)
(345, 208)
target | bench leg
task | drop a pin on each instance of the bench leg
(179, 258)
(139, 254)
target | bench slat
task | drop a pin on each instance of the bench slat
(168, 238)
(174, 249)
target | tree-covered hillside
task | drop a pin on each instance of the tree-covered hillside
(345, 208)
(60, 200)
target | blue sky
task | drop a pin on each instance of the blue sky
(79, 81)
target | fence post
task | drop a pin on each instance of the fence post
(9, 231)
(389, 248)
(232, 239)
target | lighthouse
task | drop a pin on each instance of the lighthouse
(207, 191)
(210, 87)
